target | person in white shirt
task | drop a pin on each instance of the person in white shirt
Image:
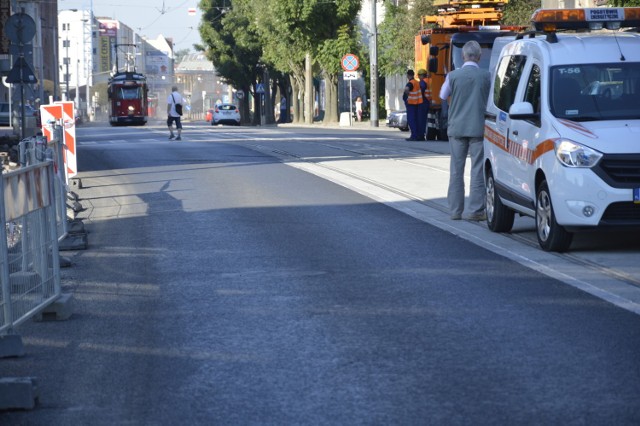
(172, 115)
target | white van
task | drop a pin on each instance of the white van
(562, 128)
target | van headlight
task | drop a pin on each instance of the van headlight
(572, 154)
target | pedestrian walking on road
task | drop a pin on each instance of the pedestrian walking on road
(413, 99)
(174, 111)
(468, 88)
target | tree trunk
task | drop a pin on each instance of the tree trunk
(296, 78)
(297, 97)
(331, 107)
(245, 111)
(274, 100)
(268, 104)
(283, 85)
(308, 91)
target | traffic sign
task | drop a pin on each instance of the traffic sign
(20, 28)
(350, 62)
(350, 75)
(260, 88)
(69, 137)
(240, 94)
(21, 73)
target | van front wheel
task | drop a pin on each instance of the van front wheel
(499, 217)
(551, 236)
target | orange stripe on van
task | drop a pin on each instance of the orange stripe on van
(542, 149)
(494, 137)
(515, 149)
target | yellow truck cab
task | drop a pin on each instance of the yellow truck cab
(562, 127)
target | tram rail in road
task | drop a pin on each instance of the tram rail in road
(601, 262)
(413, 178)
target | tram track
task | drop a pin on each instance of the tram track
(525, 238)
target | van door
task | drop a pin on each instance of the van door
(524, 137)
(498, 145)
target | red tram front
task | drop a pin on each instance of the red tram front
(128, 99)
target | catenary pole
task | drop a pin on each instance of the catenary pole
(373, 101)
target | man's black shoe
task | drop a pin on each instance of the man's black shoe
(421, 139)
(410, 139)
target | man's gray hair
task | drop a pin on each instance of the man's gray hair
(471, 51)
(174, 88)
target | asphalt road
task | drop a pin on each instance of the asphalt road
(222, 286)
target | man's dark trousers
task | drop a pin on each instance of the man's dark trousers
(412, 120)
(423, 109)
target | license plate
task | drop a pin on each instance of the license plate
(636, 195)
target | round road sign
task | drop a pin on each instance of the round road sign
(20, 28)
(350, 62)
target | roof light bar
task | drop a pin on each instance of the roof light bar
(587, 18)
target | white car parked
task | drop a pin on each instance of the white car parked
(225, 114)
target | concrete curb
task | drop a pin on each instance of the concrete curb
(18, 393)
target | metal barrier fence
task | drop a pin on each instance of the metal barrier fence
(29, 260)
(36, 150)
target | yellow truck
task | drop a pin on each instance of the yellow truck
(438, 47)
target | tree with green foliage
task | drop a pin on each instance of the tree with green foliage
(284, 44)
(624, 3)
(329, 55)
(279, 35)
(337, 36)
(397, 34)
(518, 12)
(233, 46)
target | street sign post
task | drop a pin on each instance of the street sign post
(20, 28)
(350, 75)
(350, 63)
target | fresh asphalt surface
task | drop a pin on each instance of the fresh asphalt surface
(222, 285)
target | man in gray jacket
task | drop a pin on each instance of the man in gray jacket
(468, 87)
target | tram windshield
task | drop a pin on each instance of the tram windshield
(129, 92)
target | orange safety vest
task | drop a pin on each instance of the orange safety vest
(415, 95)
(427, 92)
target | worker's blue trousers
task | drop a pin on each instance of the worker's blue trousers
(413, 120)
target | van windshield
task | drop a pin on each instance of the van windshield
(591, 92)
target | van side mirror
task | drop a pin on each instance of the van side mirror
(523, 111)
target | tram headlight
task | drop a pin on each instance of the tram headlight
(130, 109)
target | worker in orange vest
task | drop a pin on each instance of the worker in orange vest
(413, 98)
(425, 88)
